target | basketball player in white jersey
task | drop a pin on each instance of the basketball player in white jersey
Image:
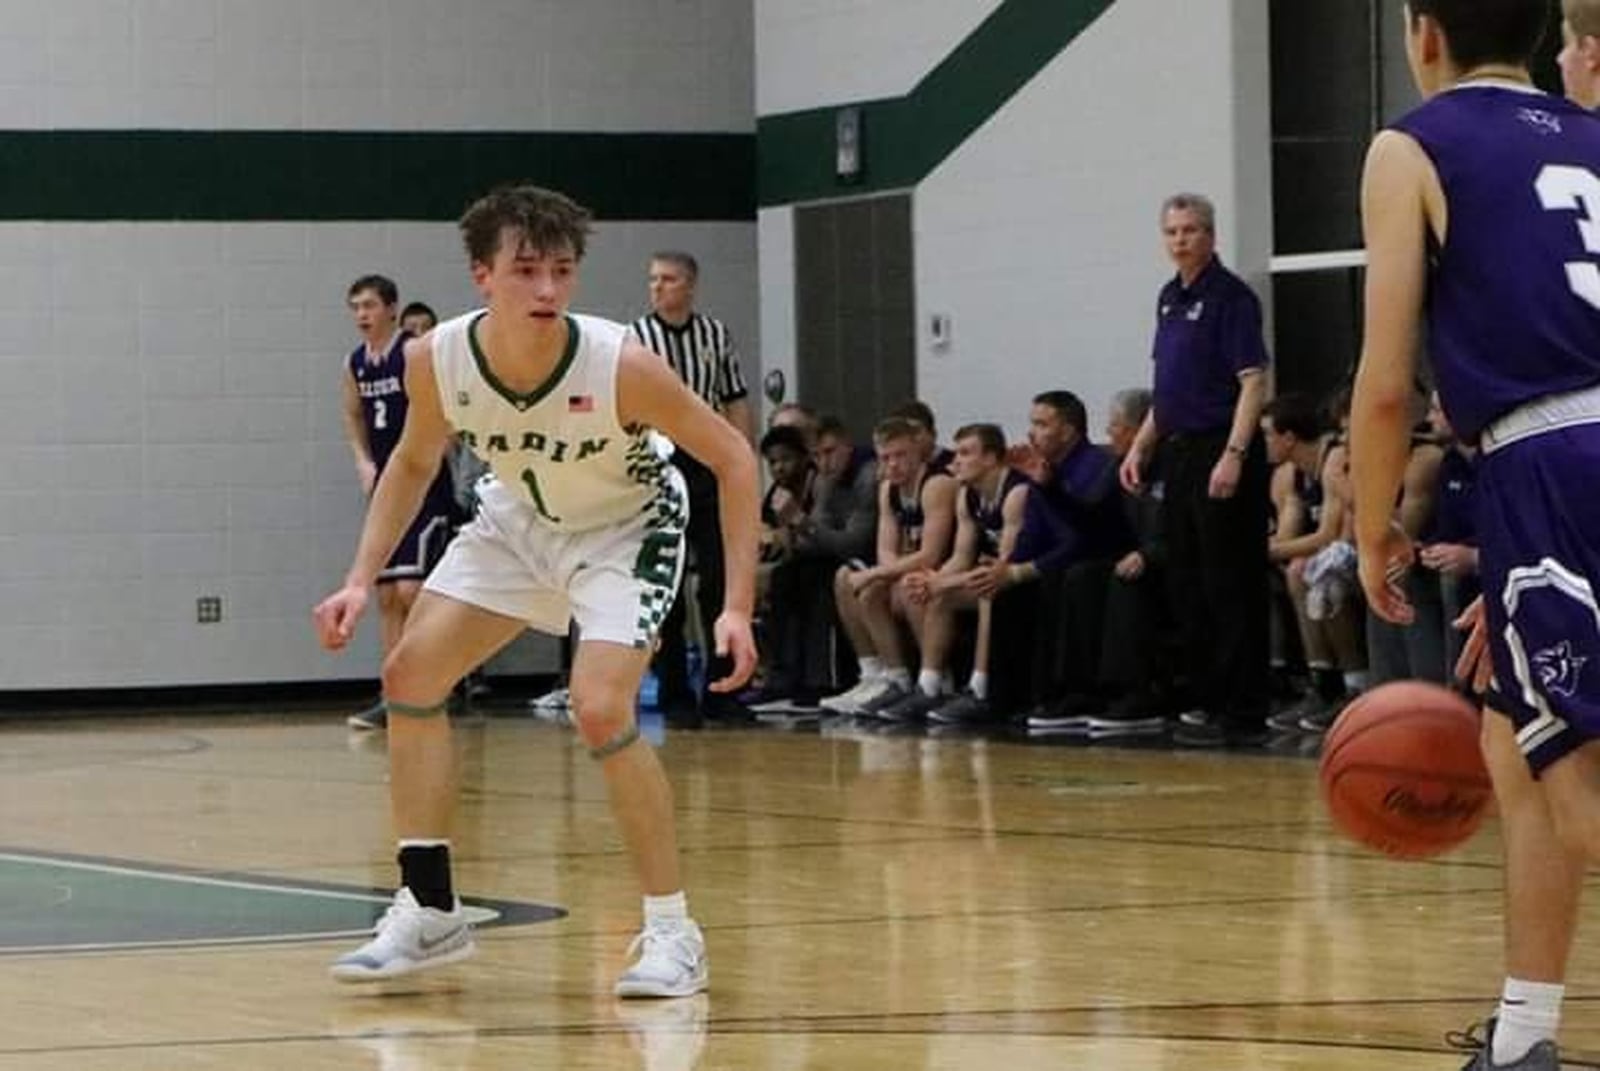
(584, 518)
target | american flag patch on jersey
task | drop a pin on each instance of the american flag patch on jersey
(580, 403)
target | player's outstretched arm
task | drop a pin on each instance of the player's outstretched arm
(1395, 189)
(395, 501)
(650, 393)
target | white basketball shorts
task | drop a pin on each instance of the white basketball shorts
(617, 582)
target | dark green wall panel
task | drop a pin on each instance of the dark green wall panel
(296, 175)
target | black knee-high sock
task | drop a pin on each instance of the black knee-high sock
(425, 870)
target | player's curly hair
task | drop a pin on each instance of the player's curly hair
(546, 220)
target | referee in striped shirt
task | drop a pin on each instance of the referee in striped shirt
(701, 351)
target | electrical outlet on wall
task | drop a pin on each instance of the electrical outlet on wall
(208, 609)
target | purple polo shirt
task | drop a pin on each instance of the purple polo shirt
(1076, 514)
(1206, 334)
(1455, 501)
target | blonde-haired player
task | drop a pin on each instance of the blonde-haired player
(1579, 59)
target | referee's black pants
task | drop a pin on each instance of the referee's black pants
(704, 537)
(1217, 569)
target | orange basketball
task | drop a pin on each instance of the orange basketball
(1401, 770)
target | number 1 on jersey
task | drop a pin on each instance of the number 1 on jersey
(532, 480)
(1562, 187)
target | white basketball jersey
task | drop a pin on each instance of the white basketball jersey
(560, 447)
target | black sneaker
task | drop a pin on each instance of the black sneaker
(724, 708)
(1288, 720)
(964, 709)
(1143, 702)
(888, 695)
(1222, 732)
(1114, 723)
(1068, 715)
(913, 707)
(1320, 721)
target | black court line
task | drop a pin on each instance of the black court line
(1014, 912)
(854, 1024)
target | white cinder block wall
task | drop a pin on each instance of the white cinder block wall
(171, 418)
(1038, 237)
(816, 53)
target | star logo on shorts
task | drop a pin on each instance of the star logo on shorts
(1558, 669)
(463, 398)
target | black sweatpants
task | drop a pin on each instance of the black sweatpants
(1217, 569)
(800, 623)
(704, 537)
(1045, 637)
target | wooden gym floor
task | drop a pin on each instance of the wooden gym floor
(168, 888)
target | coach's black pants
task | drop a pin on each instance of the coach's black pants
(1217, 569)
(800, 619)
(705, 543)
(1045, 637)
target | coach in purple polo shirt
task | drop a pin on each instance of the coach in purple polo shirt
(1209, 388)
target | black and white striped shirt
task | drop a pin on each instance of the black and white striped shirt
(701, 352)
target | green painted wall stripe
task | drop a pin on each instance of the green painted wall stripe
(298, 175)
(905, 138)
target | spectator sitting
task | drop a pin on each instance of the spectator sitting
(795, 415)
(1414, 651)
(916, 519)
(1047, 619)
(1311, 545)
(989, 511)
(839, 459)
(840, 527)
(790, 498)
(1450, 538)
(939, 458)
(785, 509)
(1135, 670)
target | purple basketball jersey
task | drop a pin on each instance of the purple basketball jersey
(1513, 317)
(384, 405)
(1514, 294)
(382, 387)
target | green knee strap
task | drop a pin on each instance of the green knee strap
(621, 742)
(410, 711)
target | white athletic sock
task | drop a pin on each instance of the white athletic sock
(1356, 680)
(871, 667)
(979, 685)
(671, 908)
(931, 683)
(898, 675)
(1530, 1012)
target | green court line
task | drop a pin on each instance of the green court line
(905, 138)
